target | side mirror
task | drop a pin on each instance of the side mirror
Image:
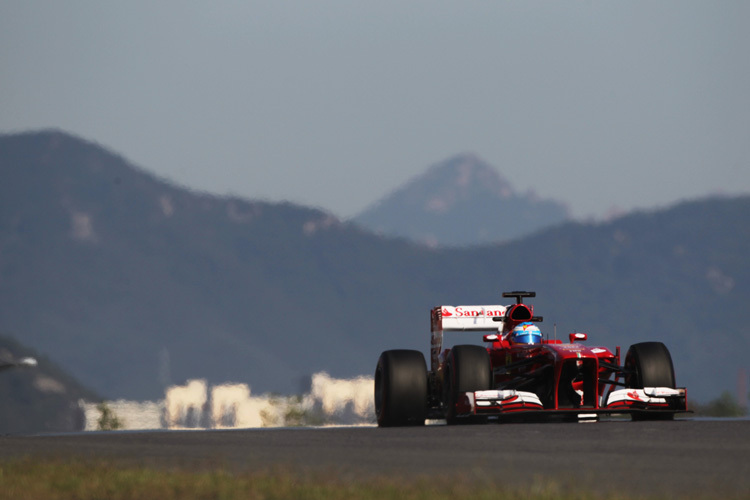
(580, 337)
(491, 338)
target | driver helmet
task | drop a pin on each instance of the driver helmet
(526, 333)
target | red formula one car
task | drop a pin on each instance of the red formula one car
(521, 375)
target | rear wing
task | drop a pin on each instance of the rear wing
(462, 318)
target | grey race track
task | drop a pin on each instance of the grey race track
(688, 456)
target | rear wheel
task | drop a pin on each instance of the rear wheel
(649, 364)
(468, 369)
(401, 388)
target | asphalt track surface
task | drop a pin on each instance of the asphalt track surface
(688, 457)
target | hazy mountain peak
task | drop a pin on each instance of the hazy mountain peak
(459, 179)
(460, 201)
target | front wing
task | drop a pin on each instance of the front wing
(623, 401)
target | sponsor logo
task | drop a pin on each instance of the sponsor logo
(569, 347)
(634, 395)
(467, 312)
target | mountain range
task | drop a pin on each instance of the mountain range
(131, 283)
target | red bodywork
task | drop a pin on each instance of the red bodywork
(548, 378)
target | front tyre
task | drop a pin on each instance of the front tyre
(401, 388)
(649, 364)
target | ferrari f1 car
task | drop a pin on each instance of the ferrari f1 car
(519, 374)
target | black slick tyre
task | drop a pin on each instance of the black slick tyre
(468, 369)
(649, 364)
(401, 388)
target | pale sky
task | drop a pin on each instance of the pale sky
(334, 104)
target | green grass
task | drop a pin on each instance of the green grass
(28, 479)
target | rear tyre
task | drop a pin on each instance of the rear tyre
(401, 388)
(468, 369)
(649, 364)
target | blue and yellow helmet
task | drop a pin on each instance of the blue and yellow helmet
(526, 333)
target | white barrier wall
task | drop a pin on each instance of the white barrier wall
(134, 415)
(197, 405)
(185, 406)
(346, 401)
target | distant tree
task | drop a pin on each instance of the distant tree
(269, 416)
(108, 421)
(723, 406)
